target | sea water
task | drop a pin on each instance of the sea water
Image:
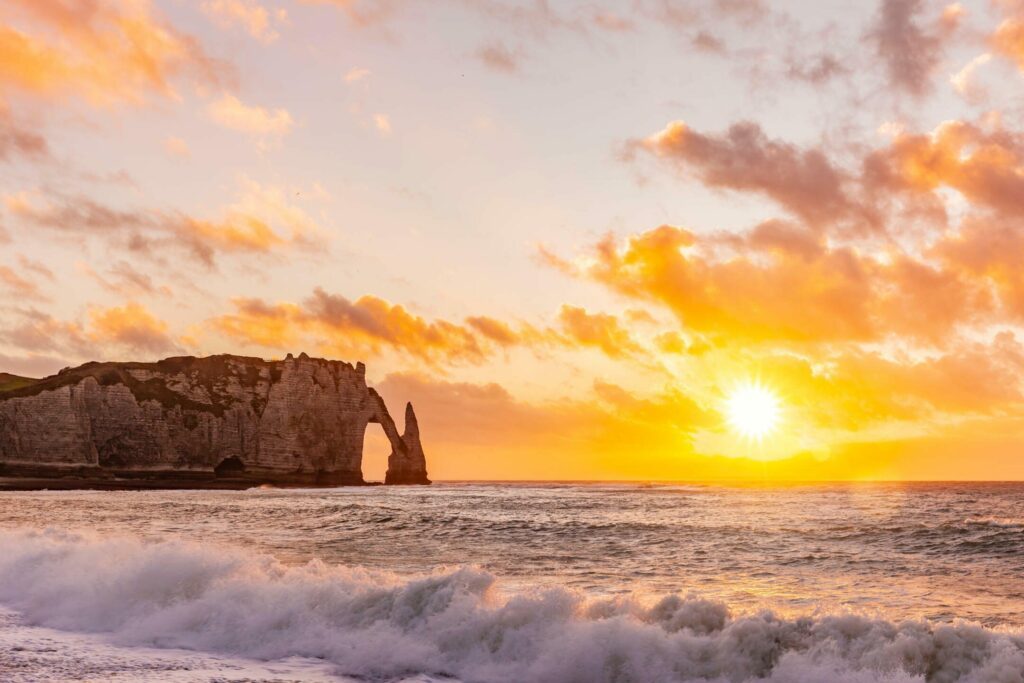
(514, 582)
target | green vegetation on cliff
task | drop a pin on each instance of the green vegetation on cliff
(9, 382)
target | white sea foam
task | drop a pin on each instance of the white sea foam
(457, 623)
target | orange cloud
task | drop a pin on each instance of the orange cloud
(382, 123)
(1008, 40)
(232, 113)
(107, 52)
(255, 322)
(37, 332)
(107, 333)
(262, 220)
(256, 19)
(989, 250)
(378, 322)
(779, 285)
(361, 12)
(599, 330)
(916, 275)
(337, 325)
(18, 285)
(356, 74)
(495, 330)
(986, 167)
(239, 232)
(131, 326)
(176, 147)
(345, 328)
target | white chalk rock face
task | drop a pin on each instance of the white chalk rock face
(219, 421)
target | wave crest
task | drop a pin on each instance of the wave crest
(458, 624)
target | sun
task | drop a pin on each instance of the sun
(752, 410)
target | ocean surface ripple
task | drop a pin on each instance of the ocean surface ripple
(559, 582)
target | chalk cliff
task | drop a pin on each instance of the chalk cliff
(217, 421)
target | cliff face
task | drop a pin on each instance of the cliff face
(221, 420)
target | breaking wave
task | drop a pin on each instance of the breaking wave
(458, 624)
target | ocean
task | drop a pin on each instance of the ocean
(504, 582)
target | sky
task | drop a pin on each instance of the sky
(567, 231)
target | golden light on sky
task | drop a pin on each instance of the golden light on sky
(752, 411)
(561, 229)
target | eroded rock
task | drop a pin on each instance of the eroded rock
(221, 420)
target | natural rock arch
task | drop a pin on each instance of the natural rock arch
(407, 464)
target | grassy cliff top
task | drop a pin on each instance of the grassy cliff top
(210, 372)
(9, 382)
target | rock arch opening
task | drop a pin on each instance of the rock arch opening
(376, 449)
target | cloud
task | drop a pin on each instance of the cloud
(985, 166)
(37, 332)
(132, 327)
(975, 377)
(671, 342)
(72, 214)
(19, 141)
(348, 327)
(817, 69)
(117, 51)
(498, 57)
(261, 221)
(1008, 40)
(380, 322)
(176, 147)
(107, 332)
(964, 80)
(893, 189)
(744, 159)
(598, 330)
(124, 279)
(778, 285)
(495, 330)
(16, 284)
(705, 41)
(610, 21)
(910, 51)
(256, 19)
(382, 123)
(369, 325)
(37, 267)
(989, 250)
(356, 74)
(362, 13)
(232, 113)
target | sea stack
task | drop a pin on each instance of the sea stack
(220, 421)
(408, 466)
